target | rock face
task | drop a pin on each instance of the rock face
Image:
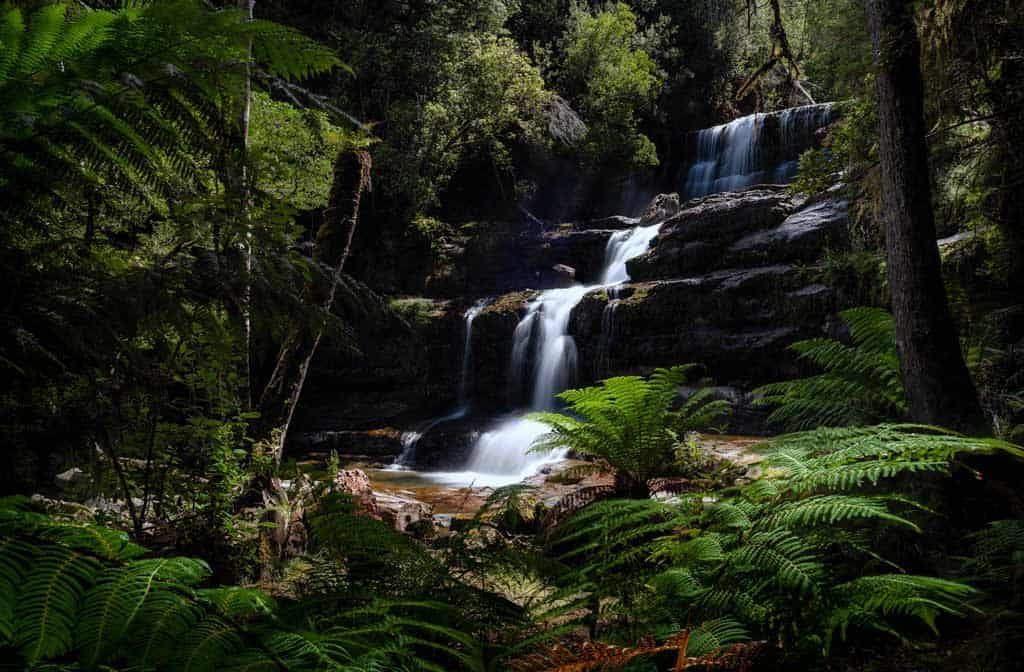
(695, 239)
(374, 445)
(728, 283)
(736, 322)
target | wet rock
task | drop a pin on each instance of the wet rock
(581, 250)
(801, 237)
(660, 208)
(407, 364)
(447, 446)
(615, 222)
(745, 416)
(565, 276)
(693, 240)
(736, 322)
(377, 445)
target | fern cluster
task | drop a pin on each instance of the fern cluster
(85, 593)
(861, 384)
(630, 424)
(795, 557)
(135, 98)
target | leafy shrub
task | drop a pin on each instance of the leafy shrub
(609, 77)
(85, 593)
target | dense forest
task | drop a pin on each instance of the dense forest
(527, 335)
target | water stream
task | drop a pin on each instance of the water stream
(544, 350)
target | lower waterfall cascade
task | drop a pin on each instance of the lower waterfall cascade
(502, 455)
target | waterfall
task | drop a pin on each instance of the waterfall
(467, 351)
(607, 330)
(755, 149)
(502, 455)
(411, 439)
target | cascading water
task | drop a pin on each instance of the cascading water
(607, 330)
(754, 149)
(502, 455)
(411, 439)
(467, 351)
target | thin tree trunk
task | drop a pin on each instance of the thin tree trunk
(333, 246)
(244, 117)
(938, 386)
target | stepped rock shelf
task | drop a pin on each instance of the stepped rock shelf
(726, 280)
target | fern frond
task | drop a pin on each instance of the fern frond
(868, 599)
(833, 509)
(48, 601)
(119, 596)
(714, 635)
(860, 384)
(207, 645)
(238, 603)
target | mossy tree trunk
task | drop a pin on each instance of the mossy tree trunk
(281, 395)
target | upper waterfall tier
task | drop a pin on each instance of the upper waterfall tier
(756, 149)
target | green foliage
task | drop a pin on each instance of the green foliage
(292, 152)
(795, 557)
(127, 97)
(64, 597)
(861, 383)
(630, 424)
(610, 77)
(490, 94)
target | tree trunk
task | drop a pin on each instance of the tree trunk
(938, 386)
(244, 119)
(333, 245)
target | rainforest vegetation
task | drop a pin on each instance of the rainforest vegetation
(528, 335)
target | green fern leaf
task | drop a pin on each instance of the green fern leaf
(48, 600)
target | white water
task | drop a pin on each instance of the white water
(732, 156)
(467, 351)
(502, 456)
(411, 439)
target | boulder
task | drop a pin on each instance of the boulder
(70, 478)
(403, 512)
(565, 276)
(355, 482)
(660, 208)
(693, 240)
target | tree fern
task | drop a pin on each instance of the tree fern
(860, 384)
(120, 595)
(48, 600)
(629, 423)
